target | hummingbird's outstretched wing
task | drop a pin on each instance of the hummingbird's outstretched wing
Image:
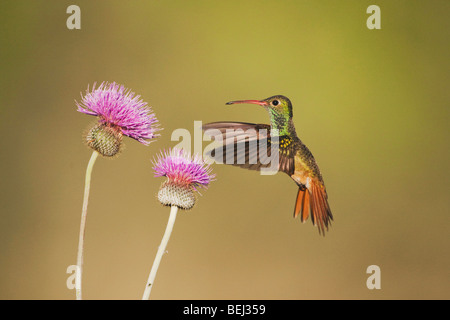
(249, 146)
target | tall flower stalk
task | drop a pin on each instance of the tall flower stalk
(185, 174)
(87, 184)
(119, 112)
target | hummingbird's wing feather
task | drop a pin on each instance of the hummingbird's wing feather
(239, 143)
(249, 146)
(286, 147)
(240, 130)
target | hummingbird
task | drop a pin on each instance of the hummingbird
(295, 159)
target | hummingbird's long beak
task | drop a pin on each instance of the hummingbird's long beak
(260, 102)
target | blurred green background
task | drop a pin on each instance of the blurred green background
(372, 105)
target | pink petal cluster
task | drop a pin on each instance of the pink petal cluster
(179, 167)
(117, 106)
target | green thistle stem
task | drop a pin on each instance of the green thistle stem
(87, 184)
(160, 252)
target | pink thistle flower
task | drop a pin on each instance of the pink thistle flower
(184, 175)
(121, 110)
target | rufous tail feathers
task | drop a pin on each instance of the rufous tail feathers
(314, 201)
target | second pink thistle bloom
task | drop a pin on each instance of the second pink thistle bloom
(185, 174)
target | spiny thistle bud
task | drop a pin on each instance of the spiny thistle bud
(104, 139)
(184, 174)
(172, 194)
(119, 113)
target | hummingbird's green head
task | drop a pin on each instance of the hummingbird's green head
(280, 111)
(279, 104)
(276, 105)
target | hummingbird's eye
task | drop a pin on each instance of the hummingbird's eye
(275, 102)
